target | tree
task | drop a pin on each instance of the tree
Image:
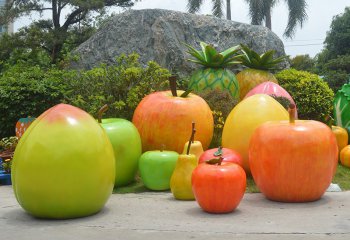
(303, 63)
(193, 6)
(260, 11)
(338, 38)
(57, 31)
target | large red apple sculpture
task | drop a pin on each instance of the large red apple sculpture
(165, 118)
(293, 161)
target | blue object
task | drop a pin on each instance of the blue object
(5, 178)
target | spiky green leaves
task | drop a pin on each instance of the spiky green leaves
(209, 57)
(265, 61)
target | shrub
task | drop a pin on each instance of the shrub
(221, 103)
(311, 94)
(121, 86)
(27, 91)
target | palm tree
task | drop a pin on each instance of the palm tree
(260, 11)
(193, 6)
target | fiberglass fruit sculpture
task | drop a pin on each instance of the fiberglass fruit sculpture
(218, 186)
(345, 156)
(126, 142)
(214, 74)
(166, 117)
(63, 166)
(293, 161)
(257, 71)
(228, 155)
(180, 182)
(156, 168)
(195, 147)
(22, 125)
(245, 118)
(341, 106)
(342, 137)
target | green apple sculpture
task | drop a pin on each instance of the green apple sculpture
(126, 142)
(63, 166)
(156, 168)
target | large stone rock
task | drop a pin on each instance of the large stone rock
(158, 35)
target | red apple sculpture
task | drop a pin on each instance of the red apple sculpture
(228, 155)
(166, 117)
(218, 186)
(293, 161)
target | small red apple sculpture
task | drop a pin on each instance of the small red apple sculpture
(218, 186)
(228, 155)
(165, 118)
(293, 161)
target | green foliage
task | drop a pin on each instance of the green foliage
(221, 103)
(311, 94)
(209, 57)
(338, 38)
(282, 100)
(265, 61)
(303, 63)
(121, 86)
(336, 79)
(27, 91)
(8, 143)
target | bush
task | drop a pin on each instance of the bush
(122, 86)
(311, 94)
(221, 103)
(27, 91)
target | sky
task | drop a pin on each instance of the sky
(307, 40)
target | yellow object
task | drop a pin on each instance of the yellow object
(341, 135)
(250, 78)
(180, 182)
(195, 149)
(345, 156)
(245, 118)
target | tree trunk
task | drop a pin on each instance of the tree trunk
(268, 19)
(228, 9)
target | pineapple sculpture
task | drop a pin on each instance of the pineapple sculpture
(214, 75)
(258, 69)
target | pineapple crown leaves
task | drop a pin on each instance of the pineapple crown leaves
(265, 61)
(209, 57)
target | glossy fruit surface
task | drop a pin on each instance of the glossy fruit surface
(219, 188)
(195, 149)
(126, 142)
(180, 182)
(245, 118)
(63, 166)
(293, 162)
(227, 154)
(166, 120)
(341, 135)
(156, 168)
(345, 156)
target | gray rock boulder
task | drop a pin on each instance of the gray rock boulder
(157, 35)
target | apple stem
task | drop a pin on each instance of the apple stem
(291, 112)
(191, 138)
(172, 80)
(220, 160)
(103, 109)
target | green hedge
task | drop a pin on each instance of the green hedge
(311, 94)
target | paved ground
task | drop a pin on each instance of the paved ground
(156, 216)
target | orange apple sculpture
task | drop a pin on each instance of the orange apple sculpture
(165, 118)
(245, 118)
(293, 161)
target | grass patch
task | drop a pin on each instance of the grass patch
(342, 178)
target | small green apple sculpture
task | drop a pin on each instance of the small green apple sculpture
(63, 166)
(156, 168)
(126, 142)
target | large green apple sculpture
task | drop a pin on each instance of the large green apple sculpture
(63, 166)
(126, 142)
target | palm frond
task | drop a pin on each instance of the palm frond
(193, 6)
(297, 15)
(217, 8)
(256, 11)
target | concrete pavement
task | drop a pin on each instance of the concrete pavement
(156, 215)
